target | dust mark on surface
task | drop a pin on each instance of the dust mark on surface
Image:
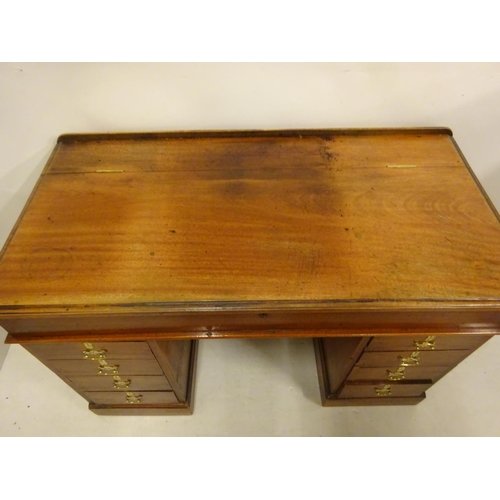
(259, 173)
(308, 262)
(235, 188)
(327, 152)
(49, 264)
(223, 264)
(326, 138)
(358, 236)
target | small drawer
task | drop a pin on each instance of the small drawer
(91, 350)
(427, 342)
(396, 373)
(412, 358)
(122, 383)
(107, 367)
(383, 390)
(132, 398)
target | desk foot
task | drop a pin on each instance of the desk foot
(185, 364)
(372, 401)
(140, 411)
(335, 358)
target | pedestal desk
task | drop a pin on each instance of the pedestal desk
(378, 244)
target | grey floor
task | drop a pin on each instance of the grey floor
(256, 388)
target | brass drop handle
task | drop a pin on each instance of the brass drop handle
(398, 374)
(118, 383)
(411, 360)
(105, 369)
(428, 342)
(385, 391)
(133, 399)
(92, 353)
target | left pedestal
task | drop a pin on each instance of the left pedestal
(125, 378)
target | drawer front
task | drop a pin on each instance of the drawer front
(107, 367)
(91, 350)
(382, 390)
(132, 398)
(427, 342)
(412, 358)
(395, 373)
(122, 383)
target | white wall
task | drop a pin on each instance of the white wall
(39, 101)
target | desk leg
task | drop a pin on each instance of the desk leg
(177, 359)
(335, 359)
(387, 370)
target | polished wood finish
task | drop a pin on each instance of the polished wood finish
(155, 410)
(185, 407)
(311, 216)
(135, 377)
(125, 367)
(425, 358)
(440, 343)
(382, 323)
(432, 373)
(396, 390)
(174, 356)
(120, 397)
(385, 401)
(137, 383)
(358, 236)
(407, 373)
(75, 350)
(341, 354)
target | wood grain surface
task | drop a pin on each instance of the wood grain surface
(166, 224)
(396, 390)
(440, 343)
(425, 358)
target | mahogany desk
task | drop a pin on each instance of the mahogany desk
(378, 244)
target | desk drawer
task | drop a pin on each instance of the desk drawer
(107, 367)
(412, 358)
(151, 378)
(383, 390)
(131, 397)
(396, 372)
(91, 350)
(427, 342)
(122, 383)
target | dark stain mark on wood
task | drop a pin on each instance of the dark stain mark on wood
(327, 153)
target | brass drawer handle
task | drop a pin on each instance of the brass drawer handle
(92, 353)
(385, 391)
(118, 383)
(428, 342)
(105, 369)
(398, 374)
(132, 399)
(411, 360)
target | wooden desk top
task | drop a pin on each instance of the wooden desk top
(173, 225)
